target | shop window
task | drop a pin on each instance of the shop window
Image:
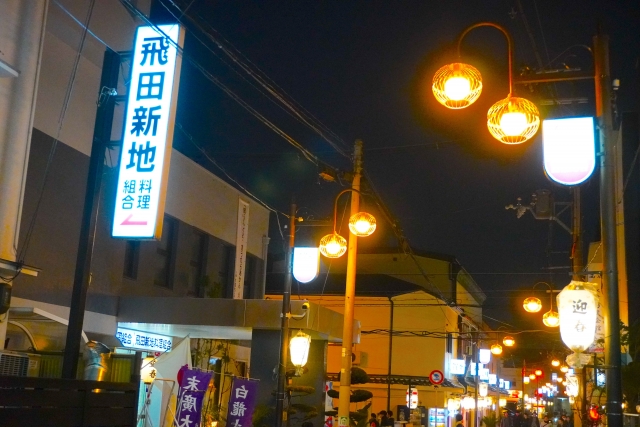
(131, 257)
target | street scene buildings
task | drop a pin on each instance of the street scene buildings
(145, 283)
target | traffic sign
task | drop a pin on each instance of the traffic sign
(436, 377)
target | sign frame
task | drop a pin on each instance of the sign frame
(436, 377)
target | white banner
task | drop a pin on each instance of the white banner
(242, 235)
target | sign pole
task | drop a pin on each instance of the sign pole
(101, 136)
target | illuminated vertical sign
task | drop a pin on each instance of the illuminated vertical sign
(569, 149)
(242, 236)
(148, 133)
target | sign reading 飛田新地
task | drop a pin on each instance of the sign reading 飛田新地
(148, 133)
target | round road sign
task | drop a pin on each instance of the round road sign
(436, 377)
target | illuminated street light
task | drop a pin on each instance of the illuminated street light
(333, 245)
(511, 120)
(496, 349)
(299, 349)
(532, 376)
(551, 319)
(538, 372)
(362, 224)
(564, 369)
(509, 341)
(555, 362)
(532, 305)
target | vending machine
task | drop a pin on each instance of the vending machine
(437, 417)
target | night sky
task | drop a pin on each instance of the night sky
(364, 70)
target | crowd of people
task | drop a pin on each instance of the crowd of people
(384, 418)
(530, 419)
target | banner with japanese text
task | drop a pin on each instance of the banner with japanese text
(242, 237)
(193, 386)
(242, 402)
(148, 133)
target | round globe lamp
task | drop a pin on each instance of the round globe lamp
(362, 224)
(513, 120)
(538, 372)
(532, 305)
(564, 368)
(333, 245)
(551, 319)
(457, 85)
(532, 376)
(509, 341)
(555, 362)
(496, 349)
(526, 380)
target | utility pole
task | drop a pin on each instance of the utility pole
(284, 321)
(608, 227)
(349, 297)
(82, 277)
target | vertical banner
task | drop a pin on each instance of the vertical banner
(148, 133)
(328, 404)
(193, 386)
(242, 402)
(242, 235)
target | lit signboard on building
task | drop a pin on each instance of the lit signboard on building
(148, 133)
(306, 264)
(569, 149)
(143, 340)
(456, 366)
(493, 379)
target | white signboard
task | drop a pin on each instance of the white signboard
(144, 340)
(456, 366)
(493, 379)
(242, 235)
(569, 149)
(484, 374)
(147, 134)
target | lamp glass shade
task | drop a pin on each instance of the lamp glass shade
(306, 264)
(457, 85)
(362, 224)
(538, 372)
(551, 319)
(483, 389)
(485, 356)
(578, 308)
(555, 362)
(496, 349)
(532, 305)
(299, 349)
(513, 120)
(333, 245)
(564, 368)
(509, 341)
(532, 376)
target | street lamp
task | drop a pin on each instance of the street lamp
(509, 341)
(511, 120)
(534, 305)
(496, 349)
(299, 348)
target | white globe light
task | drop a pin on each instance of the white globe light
(513, 124)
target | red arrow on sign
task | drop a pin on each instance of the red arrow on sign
(128, 221)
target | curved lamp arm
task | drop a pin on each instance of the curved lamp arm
(550, 292)
(335, 206)
(509, 45)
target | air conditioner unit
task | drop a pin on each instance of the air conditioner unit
(13, 363)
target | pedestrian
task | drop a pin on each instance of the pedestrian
(383, 418)
(517, 420)
(535, 421)
(525, 421)
(546, 422)
(505, 421)
(373, 421)
(390, 420)
(459, 421)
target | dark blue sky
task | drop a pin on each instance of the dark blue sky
(364, 69)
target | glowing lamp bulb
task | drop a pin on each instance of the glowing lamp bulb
(362, 224)
(555, 362)
(496, 349)
(513, 124)
(538, 372)
(532, 305)
(457, 88)
(533, 376)
(526, 380)
(564, 368)
(551, 319)
(509, 341)
(333, 245)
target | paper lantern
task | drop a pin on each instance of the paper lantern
(299, 349)
(485, 356)
(412, 402)
(483, 389)
(578, 309)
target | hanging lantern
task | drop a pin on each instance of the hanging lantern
(578, 307)
(412, 398)
(532, 305)
(148, 371)
(333, 245)
(509, 341)
(533, 376)
(496, 349)
(513, 120)
(483, 389)
(362, 224)
(485, 356)
(538, 372)
(564, 368)
(457, 85)
(299, 349)
(555, 362)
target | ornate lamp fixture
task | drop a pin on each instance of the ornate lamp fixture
(555, 362)
(533, 305)
(361, 224)
(299, 348)
(496, 349)
(511, 120)
(509, 341)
